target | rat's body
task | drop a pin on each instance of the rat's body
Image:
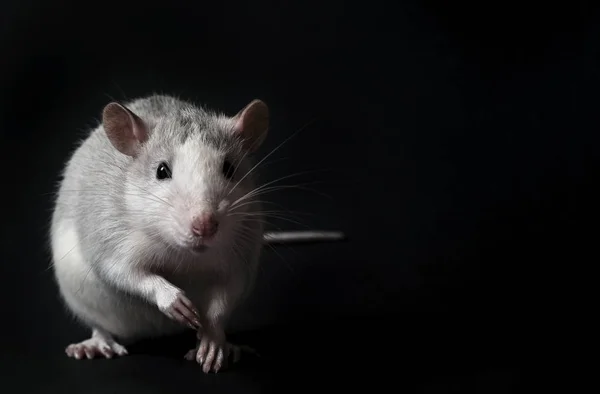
(147, 238)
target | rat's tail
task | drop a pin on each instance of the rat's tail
(286, 237)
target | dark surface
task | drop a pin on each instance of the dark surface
(460, 149)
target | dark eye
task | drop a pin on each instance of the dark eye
(163, 171)
(228, 169)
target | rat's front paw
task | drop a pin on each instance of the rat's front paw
(179, 308)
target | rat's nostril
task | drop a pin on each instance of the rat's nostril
(205, 225)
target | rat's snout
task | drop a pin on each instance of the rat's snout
(205, 225)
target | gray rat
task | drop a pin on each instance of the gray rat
(155, 228)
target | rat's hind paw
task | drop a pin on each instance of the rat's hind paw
(99, 345)
(214, 356)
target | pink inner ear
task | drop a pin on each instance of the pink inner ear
(252, 123)
(238, 127)
(139, 128)
(125, 129)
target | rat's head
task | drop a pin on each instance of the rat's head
(189, 176)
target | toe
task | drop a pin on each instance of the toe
(187, 316)
(69, 350)
(179, 317)
(202, 349)
(78, 352)
(190, 355)
(90, 352)
(107, 352)
(119, 350)
(220, 359)
(210, 358)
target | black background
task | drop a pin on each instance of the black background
(456, 143)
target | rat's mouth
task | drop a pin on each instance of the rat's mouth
(192, 246)
(199, 245)
(199, 248)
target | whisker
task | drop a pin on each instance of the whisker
(283, 187)
(269, 154)
(271, 182)
(276, 214)
(241, 236)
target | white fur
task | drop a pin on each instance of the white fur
(93, 301)
(121, 238)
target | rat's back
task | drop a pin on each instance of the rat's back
(91, 180)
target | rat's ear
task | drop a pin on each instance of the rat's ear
(252, 124)
(125, 130)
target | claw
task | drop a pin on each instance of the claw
(182, 310)
(213, 356)
(97, 346)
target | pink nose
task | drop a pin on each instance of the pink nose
(205, 225)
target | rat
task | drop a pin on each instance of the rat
(156, 229)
